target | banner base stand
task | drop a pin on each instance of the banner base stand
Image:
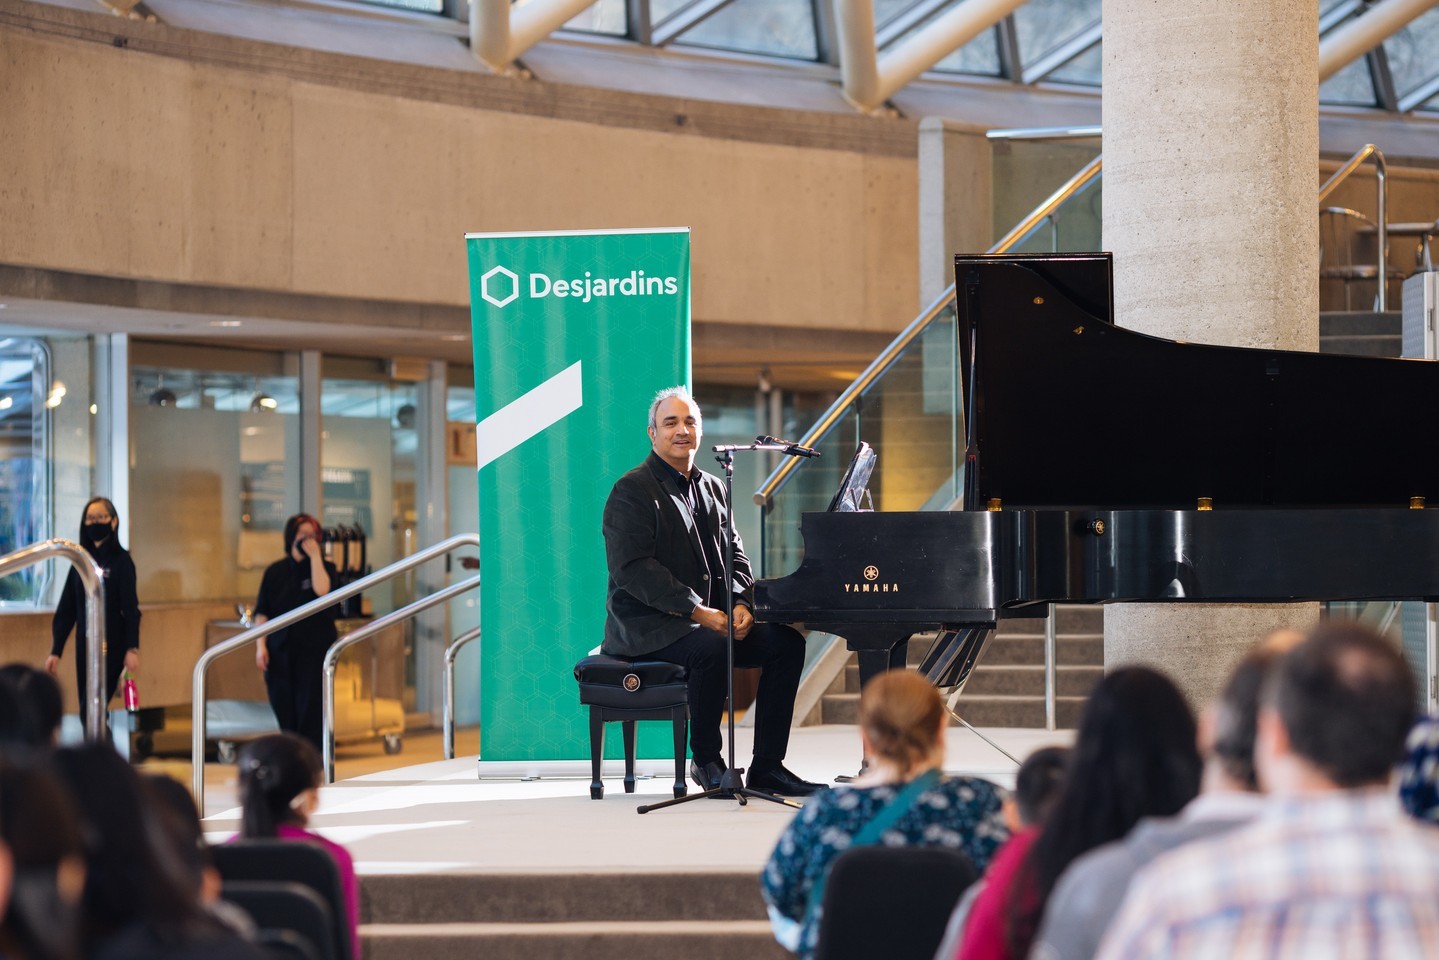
(571, 769)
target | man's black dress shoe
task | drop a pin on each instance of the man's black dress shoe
(708, 775)
(776, 779)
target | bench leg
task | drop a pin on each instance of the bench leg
(679, 717)
(629, 729)
(597, 750)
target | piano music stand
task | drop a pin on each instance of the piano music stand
(731, 786)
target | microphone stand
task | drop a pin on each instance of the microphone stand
(730, 786)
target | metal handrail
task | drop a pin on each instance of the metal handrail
(197, 736)
(332, 656)
(448, 688)
(92, 578)
(909, 334)
(1381, 186)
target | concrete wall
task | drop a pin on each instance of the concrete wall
(128, 164)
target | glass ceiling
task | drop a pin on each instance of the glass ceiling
(1053, 41)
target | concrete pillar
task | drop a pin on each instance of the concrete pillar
(956, 212)
(1211, 145)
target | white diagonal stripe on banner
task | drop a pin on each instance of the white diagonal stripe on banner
(535, 412)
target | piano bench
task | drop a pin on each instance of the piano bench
(628, 690)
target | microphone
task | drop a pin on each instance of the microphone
(791, 448)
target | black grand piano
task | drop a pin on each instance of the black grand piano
(1107, 466)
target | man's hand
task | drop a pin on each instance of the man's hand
(743, 620)
(710, 618)
(52, 665)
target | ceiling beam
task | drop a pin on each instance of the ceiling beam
(1354, 38)
(870, 80)
(500, 33)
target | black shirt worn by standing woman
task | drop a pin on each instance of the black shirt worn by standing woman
(122, 615)
(297, 653)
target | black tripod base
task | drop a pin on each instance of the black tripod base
(719, 793)
(730, 788)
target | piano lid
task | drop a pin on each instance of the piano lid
(1063, 408)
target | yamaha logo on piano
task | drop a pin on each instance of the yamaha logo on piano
(871, 574)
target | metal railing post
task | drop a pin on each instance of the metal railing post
(1051, 664)
(332, 656)
(1381, 229)
(92, 578)
(197, 687)
(363, 634)
(447, 690)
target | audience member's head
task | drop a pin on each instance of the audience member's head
(40, 830)
(32, 719)
(1419, 773)
(179, 820)
(1230, 722)
(1036, 787)
(134, 875)
(1135, 755)
(279, 783)
(902, 721)
(1336, 711)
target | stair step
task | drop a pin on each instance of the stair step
(1017, 678)
(1024, 680)
(1081, 650)
(986, 710)
(1027, 712)
(510, 898)
(587, 940)
(1072, 650)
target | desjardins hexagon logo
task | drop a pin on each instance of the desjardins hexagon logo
(499, 286)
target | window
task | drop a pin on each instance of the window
(27, 395)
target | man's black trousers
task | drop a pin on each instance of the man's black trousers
(775, 648)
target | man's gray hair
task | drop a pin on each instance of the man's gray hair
(670, 393)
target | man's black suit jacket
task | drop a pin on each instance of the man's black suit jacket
(658, 573)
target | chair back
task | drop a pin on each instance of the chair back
(294, 861)
(285, 913)
(891, 902)
(286, 945)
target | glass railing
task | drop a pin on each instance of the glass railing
(907, 404)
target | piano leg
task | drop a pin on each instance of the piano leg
(874, 662)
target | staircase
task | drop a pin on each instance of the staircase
(703, 914)
(1006, 688)
(1362, 333)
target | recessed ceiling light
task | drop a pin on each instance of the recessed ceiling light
(226, 323)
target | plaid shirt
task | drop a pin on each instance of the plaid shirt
(1341, 875)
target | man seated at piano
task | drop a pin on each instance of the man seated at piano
(666, 599)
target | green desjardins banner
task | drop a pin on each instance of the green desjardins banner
(574, 334)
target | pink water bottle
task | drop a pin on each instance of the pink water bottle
(132, 693)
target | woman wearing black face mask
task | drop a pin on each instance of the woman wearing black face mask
(293, 659)
(100, 537)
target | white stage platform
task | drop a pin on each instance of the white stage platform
(441, 818)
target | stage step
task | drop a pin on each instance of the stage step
(700, 895)
(641, 915)
(590, 940)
